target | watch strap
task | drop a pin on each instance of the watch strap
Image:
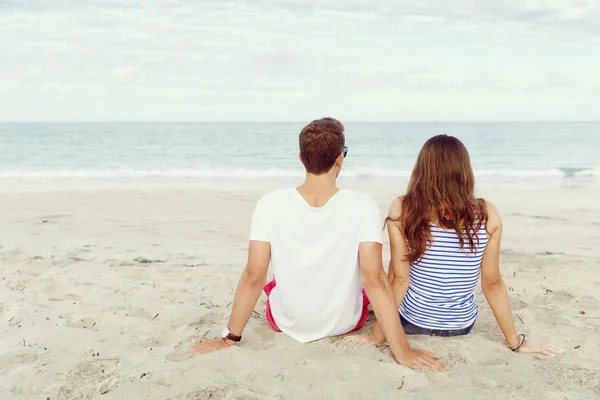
(231, 336)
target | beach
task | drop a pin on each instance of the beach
(136, 138)
(104, 289)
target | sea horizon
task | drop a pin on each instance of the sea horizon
(512, 154)
(132, 121)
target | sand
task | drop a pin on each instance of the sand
(103, 290)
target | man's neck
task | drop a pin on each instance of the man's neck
(318, 189)
(319, 183)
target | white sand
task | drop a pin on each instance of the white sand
(80, 318)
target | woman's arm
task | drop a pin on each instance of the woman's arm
(384, 306)
(398, 273)
(492, 283)
(495, 291)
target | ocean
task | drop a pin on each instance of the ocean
(515, 155)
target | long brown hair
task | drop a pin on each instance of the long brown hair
(441, 187)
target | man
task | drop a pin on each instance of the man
(320, 240)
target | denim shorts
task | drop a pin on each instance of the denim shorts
(412, 329)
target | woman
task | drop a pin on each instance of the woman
(442, 240)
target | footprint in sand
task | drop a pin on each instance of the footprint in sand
(67, 393)
(209, 318)
(167, 378)
(212, 393)
(45, 219)
(517, 304)
(215, 393)
(485, 359)
(94, 370)
(150, 342)
(85, 323)
(266, 333)
(490, 356)
(244, 394)
(570, 377)
(131, 310)
(179, 353)
(23, 358)
(90, 378)
(413, 381)
(488, 383)
(108, 385)
(66, 297)
(559, 295)
(588, 302)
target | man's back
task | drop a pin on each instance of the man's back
(314, 254)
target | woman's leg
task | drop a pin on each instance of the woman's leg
(412, 329)
(461, 332)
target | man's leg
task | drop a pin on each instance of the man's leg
(365, 312)
(267, 289)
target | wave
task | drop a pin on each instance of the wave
(357, 172)
(562, 172)
(172, 173)
(570, 172)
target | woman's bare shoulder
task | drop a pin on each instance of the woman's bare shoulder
(395, 211)
(494, 220)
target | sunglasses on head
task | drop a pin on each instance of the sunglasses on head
(345, 151)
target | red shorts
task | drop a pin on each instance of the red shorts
(363, 317)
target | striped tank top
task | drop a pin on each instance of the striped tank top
(441, 292)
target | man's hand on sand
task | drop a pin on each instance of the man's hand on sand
(416, 359)
(208, 346)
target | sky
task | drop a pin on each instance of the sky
(295, 60)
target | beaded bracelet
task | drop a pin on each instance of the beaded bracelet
(521, 341)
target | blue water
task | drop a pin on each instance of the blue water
(507, 154)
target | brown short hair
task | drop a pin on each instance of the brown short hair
(321, 143)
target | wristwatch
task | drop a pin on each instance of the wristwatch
(230, 336)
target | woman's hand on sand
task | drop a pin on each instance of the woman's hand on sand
(534, 346)
(417, 359)
(208, 346)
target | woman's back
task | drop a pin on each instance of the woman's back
(442, 239)
(441, 293)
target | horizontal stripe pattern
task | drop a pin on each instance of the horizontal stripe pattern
(441, 292)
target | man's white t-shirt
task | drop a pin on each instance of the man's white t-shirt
(314, 255)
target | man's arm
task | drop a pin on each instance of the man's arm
(382, 300)
(246, 296)
(250, 285)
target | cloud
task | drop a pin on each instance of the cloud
(60, 86)
(559, 79)
(292, 59)
(122, 72)
(176, 93)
